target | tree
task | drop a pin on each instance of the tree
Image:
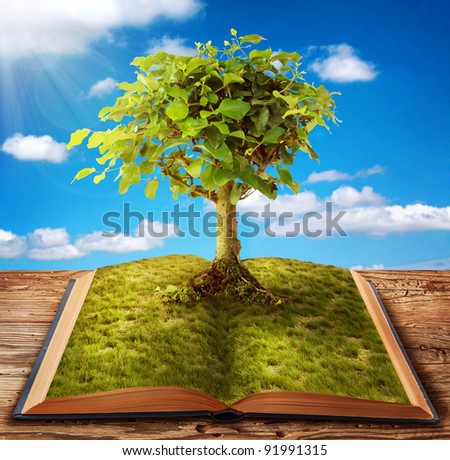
(216, 127)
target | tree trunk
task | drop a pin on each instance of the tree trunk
(228, 245)
(227, 276)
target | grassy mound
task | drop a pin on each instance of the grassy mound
(320, 339)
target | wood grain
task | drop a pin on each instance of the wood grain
(425, 332)
(57, 345)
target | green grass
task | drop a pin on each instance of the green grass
(321, 339)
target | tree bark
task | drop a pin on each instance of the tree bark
(228, 246)
(227, 276)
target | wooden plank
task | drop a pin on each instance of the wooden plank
(30, 274)
(429, 355)
(409, 279)
(14, 333)
(418, 296)
(426, 337)
(44, 318)
(417, 318)
(415, 330)
(390, 342)
(59, 341)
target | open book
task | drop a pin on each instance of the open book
(175, 401)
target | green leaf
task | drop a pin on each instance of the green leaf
(194, 64)
(207, 177)
(212, 177)
(106, 156)
(191, 127)
(78, 137)
(234, 65)
(99, 177)
(234, 108)
(177, 111)
(194, 168)
(229, 78)
(260, 118)
(276, 114)
(258, 54)
(96, 139)
(104, 113)
(285, 57)
(295, 187)
(206, 113)
(135, 87)
(222, 127)
(221, 177)
(239, 134)
(290, 99)
(299, 111)
(213, 98)
(178, 93)
(305, 146)
(130, 175)
(236, 192)
(222, 152)
(147, 167)
(171, 143)
(83, 173)
(149, 150)
(302, 134)
(128, 154)
(271, 136)
(137, 61)
(257, 183)
(285, 177)
(287, 158)
(214, 136)
(151, 188)
(252, 38)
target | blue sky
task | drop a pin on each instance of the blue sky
(386, 165)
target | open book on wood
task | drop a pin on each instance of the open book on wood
(175, 401)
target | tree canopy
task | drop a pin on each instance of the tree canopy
(236, 116)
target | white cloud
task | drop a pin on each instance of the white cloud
(433, 264)
(442, 263)
(349, 197)
(385, 220)
(49, 237)
(333, 175)
(54, 243)
(64, 252)
(103, 87)
(365, 212)
(295, 204)
(51, 244)
(172, 46)
(11, 245)
(148, 235)
(30, 27)
(342, 65)
(368, 267)
(35, 148)
(377, 169)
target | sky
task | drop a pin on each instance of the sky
(384, 171)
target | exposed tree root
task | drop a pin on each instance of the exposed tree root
(229, 278)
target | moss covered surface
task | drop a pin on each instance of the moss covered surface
(319, 339)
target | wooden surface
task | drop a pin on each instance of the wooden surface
(418, 303)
